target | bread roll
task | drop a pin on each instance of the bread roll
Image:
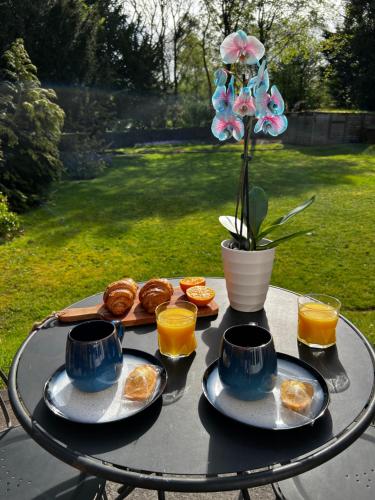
(119, 296)
(155, 292)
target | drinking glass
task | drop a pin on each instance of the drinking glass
(176, 328)
(317, 319)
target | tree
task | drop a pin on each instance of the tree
(23, 19)
(126, 54)
(153, 15)
(298, 72)
(59, 35)
(30, 128)
(350, 53)
(227, 15)
(182, 24)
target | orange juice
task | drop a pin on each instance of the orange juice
(176, 327)
(317, 324)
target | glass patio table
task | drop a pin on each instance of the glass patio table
(181, 443)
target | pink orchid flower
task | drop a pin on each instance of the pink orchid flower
(241, 47)
(226, 124)
(271, 124)
(244, 104)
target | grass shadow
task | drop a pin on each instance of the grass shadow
(334, 150)
(171, 187)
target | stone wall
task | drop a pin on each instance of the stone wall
(308, 129)
(329, 128)
(132, 137)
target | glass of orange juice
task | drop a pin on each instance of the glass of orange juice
(176, 328)
(317, 319)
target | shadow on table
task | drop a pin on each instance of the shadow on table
(327, 362)
(177, 370)
(109, 436)
(142, 329)
(212, 336)
(230, 441)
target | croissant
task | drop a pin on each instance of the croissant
(119, 296)
(155, 292)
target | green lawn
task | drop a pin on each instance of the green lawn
(155, 213)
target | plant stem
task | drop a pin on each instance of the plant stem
(243, 204)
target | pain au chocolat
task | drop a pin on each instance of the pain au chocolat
(140, 383)
(155, 292)
(119, 296)
(296, 395)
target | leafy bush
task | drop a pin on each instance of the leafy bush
(89, 114)
(82, 158)
(193, 113)
(9, 222)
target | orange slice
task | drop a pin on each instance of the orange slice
(186, 283)
(200, 295)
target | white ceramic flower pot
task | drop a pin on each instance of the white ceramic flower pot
(247, 276)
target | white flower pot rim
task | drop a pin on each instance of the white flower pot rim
(224, 244)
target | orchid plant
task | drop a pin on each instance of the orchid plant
(244, 58)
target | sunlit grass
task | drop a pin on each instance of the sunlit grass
(156, 214)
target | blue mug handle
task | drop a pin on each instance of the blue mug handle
(119, 329)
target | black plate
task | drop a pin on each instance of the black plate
(64, 400)
(269, 413)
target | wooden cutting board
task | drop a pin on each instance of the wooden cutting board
(135, 316)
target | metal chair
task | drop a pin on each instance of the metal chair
(348, 476)
(28, 472)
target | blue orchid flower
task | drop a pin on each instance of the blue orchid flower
(220, 77)
(262, 81)
(223, 97)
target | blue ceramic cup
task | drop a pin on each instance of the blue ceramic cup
(247, 363)
(93, 358)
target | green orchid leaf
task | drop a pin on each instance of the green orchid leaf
(267, 230)
(277, 242)
(281, 220)
(258, 206)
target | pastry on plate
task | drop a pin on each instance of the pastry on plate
(140, 383)
(296, 395)
(119, 296)
(155, 292)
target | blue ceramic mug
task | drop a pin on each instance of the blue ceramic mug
(248, 363)
(93, 358)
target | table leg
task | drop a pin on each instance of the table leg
(245, 495)
(124, 491)
(161, 495)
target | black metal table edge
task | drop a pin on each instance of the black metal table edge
(243, 480)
